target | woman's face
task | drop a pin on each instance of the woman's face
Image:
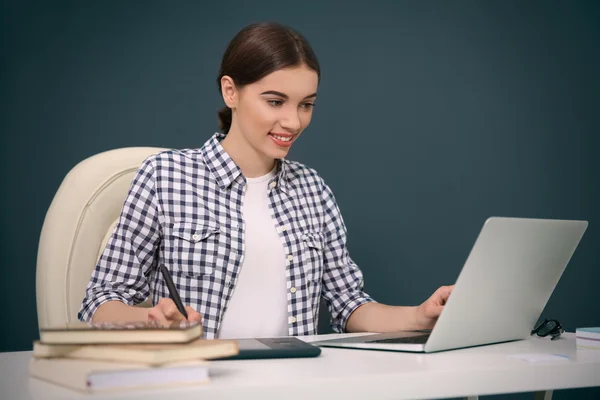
(272, 113)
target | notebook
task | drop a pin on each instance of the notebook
(103, 376)
(587, 338)
(152, 354)
(121, 332)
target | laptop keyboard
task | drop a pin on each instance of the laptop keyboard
(421, 339)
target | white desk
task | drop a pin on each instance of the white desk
(357, 374)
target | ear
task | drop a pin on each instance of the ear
(229, 92)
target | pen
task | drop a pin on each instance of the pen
(172, 290)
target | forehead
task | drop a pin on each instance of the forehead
(296, 82)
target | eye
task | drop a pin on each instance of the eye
(307, 106)
(275, 103)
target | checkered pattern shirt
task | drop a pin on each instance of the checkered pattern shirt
(184, 211)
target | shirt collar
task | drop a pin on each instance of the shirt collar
(226, 171)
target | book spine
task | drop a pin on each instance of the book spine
(587, 334)
(588, 343)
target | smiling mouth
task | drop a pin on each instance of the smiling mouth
(282, 140)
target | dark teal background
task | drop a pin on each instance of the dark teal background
(431, 116)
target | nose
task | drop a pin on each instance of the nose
(291, 121)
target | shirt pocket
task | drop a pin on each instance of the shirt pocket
(312, 254)
(197, 247)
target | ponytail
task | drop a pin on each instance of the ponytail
(225, 116)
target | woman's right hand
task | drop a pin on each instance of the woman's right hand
(166, 312)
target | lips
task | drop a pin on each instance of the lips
(282, 139)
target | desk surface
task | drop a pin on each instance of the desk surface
(360, 374)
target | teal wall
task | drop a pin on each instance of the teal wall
(431, 117)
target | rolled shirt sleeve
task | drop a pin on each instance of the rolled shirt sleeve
(127, 260)
(342, 279)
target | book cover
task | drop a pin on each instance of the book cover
(121, 332)
(152, 354)
(588, 338)
(588, 332)
(101, 376)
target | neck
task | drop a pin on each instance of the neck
(252, 163)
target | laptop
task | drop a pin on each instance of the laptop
(500, 292)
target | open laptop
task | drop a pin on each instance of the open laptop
(500, 293)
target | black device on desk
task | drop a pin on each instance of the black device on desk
(281, 347)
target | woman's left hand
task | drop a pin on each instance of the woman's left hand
(429, 311)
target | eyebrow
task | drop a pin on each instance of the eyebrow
(285, 96)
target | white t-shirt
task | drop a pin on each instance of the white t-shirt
(258, 307)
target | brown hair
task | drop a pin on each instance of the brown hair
(258, 50)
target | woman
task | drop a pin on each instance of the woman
(252, 240)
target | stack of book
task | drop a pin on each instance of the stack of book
(117, 356)
(587, 338)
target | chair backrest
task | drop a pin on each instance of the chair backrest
(79, 221)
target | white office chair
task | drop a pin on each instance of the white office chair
(77, 226)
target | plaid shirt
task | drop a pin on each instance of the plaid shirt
(184, 210)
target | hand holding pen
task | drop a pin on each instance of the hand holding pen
(172, 309)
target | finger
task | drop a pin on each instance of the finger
(171, 312)
(437, 297)
(193, 315)
(446, 292)
(445, 289)
(167, 307)
(156, 314)
(443, 293)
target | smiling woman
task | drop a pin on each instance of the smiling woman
(269, 87)
(251, 239)
(268, 115)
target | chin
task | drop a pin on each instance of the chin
(273, 151)
(275, 154)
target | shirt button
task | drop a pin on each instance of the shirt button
(283, 228)
(273, 184)
(195, 236)
(290, 258)
(293, 290)
(292, 320)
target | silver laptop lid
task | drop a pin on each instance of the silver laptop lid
(506, 281)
